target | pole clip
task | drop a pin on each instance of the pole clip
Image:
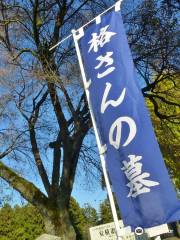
(118, 6)
(78, 33)
(103, 149)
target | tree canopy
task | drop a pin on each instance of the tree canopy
(20, 223)
(26, 223)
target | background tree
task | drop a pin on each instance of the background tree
(45, 117)
(25, 222)
(105, 213)
(153, 37)
(90, 214)
(82, 218)
(20, 223)
(78, 219)
(167, 132)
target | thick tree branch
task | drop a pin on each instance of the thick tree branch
(38, 160)
(36, 108)
(35, 22)
(63, 89)
(59, 21)
(69, 168)
(27, 190)
(6, 39)
(63, 124)
(82, 99)
(71, 159)
(56, 166)
(76, 11)
(34, 145)
(68, 99)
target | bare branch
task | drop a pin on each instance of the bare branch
(76, 11)
(59, 113)
(25, 50)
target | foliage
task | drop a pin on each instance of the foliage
(25, 222)
(106, 213)
(82, 218)
(90, 214)
(22, 223)
(168, 132)
(78, 219)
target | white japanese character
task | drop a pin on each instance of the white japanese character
(132, 168)
(100, 40)
(136, 187)
(138, 183)
(105, 103)
(107, 72)
(105, 59)
(115, 131)
(108, 60)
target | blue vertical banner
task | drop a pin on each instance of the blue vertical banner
(134, 162)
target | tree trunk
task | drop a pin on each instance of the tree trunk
(57, 222)
(178, 228)
(56, 215)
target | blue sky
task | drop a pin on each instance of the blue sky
(82, 194)
(93, 196)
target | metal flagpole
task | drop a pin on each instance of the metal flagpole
(118, 3)
(102, 149)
